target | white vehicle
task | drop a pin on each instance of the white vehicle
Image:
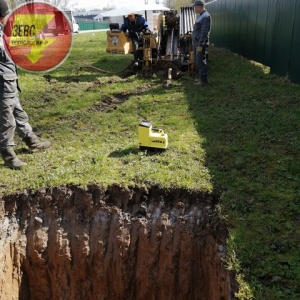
(73, 23)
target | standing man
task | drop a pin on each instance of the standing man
(200, 41)
(135, 24)
(12, 116)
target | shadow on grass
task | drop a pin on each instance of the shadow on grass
(136, 150)
(124, 152)
(251, 124)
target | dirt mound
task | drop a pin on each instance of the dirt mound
(115, 243)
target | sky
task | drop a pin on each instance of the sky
(99, 4)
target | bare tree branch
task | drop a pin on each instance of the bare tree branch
(61, 4)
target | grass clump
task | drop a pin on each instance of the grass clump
(238, 138)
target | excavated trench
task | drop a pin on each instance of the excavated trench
(114, 243)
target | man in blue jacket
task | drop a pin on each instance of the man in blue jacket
(200, 41)
(135, 25)
(12, 115)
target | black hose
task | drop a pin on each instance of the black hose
(108, 72)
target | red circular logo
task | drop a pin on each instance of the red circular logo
(38, 36)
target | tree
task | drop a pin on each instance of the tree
(108, 7)
(176, 4)
(61, 4)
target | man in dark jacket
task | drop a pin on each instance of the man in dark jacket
(135, 25)
(12, 115)
(200, 40)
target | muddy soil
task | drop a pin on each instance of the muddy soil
(114, 243)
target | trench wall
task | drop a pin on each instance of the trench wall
(114, 243)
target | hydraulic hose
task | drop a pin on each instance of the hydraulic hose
(109, 72)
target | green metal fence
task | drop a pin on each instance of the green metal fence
(266, 31)
(90, 25)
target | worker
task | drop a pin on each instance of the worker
(12, 115)
(135, 25)
(200, 41)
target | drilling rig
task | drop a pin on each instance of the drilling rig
(168, 47)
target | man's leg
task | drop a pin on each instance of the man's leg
(203, 64)
(23, 127)
(24, 130)
(135, 46)
(7, 123)
(7, 129)
(196, 63)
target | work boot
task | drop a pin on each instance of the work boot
(34, 144)
(10, 159)
(202, 81)
(197, 78)
(135, 63)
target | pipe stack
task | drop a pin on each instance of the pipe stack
(187, 20)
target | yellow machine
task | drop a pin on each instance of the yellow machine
(117, 42)
(151, 137)
(168, 48)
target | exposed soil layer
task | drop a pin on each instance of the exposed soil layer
(114, 243)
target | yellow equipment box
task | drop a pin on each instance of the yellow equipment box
(117, 42)
(151, 137)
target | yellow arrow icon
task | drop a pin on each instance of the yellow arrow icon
(35, 52)
(26, 31)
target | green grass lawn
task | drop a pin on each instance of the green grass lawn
(237, 138)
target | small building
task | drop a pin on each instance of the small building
(86, 15)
